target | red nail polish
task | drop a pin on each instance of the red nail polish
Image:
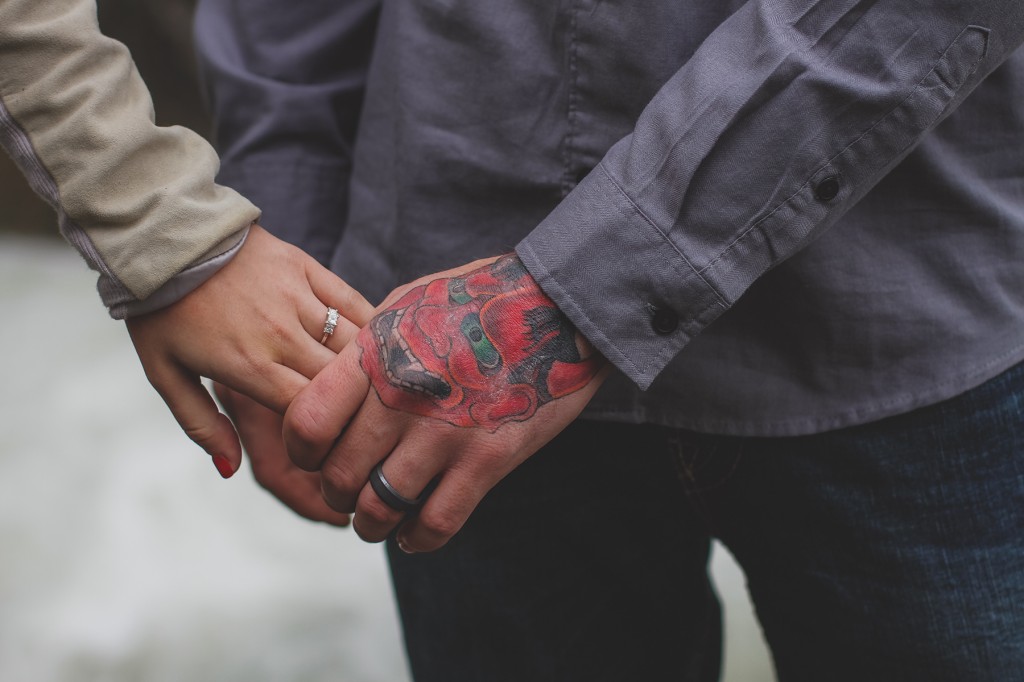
(223, 466)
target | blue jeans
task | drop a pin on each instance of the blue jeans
(888, 551)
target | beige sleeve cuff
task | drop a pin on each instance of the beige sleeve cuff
(137, 200)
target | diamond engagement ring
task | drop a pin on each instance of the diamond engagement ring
(330, 324)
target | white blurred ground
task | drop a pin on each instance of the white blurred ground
(125, 558)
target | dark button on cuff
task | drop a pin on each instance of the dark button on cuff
(664, 321)
(827, 189)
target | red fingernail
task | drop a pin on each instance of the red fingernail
(223, 466)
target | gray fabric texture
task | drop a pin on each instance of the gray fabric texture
(827, 197)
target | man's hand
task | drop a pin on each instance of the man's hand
(260, 432)
(472, 371)
(255, 327)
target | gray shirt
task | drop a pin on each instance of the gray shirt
(774, 217)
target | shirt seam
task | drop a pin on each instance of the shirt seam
(568, 178)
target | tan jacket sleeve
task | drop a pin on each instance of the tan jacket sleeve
(138, 201)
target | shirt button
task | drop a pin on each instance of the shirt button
(827, 189)
(664, 321)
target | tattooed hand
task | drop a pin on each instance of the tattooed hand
(477, 350)
(460, 377)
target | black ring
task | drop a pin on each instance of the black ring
(388, 495)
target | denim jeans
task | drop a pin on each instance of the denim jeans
(888, 551)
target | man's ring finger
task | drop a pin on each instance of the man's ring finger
(387, 493)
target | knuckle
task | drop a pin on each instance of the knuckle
(339, 479)
(440, 523)
(299, 429)
(347, 297)
(302, 426)
(200, 434)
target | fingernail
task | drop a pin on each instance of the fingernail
(403, 546)
(223, 466)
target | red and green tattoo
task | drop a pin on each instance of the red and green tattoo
(481, 349)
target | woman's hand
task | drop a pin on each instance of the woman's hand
(254, 327)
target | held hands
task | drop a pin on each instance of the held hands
(260, 432)
(471, 372)
(458, 379)
(254, 327)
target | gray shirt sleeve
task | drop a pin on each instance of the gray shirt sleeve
(785, 117)
(285, 83)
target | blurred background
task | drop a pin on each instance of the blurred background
(125, 557)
